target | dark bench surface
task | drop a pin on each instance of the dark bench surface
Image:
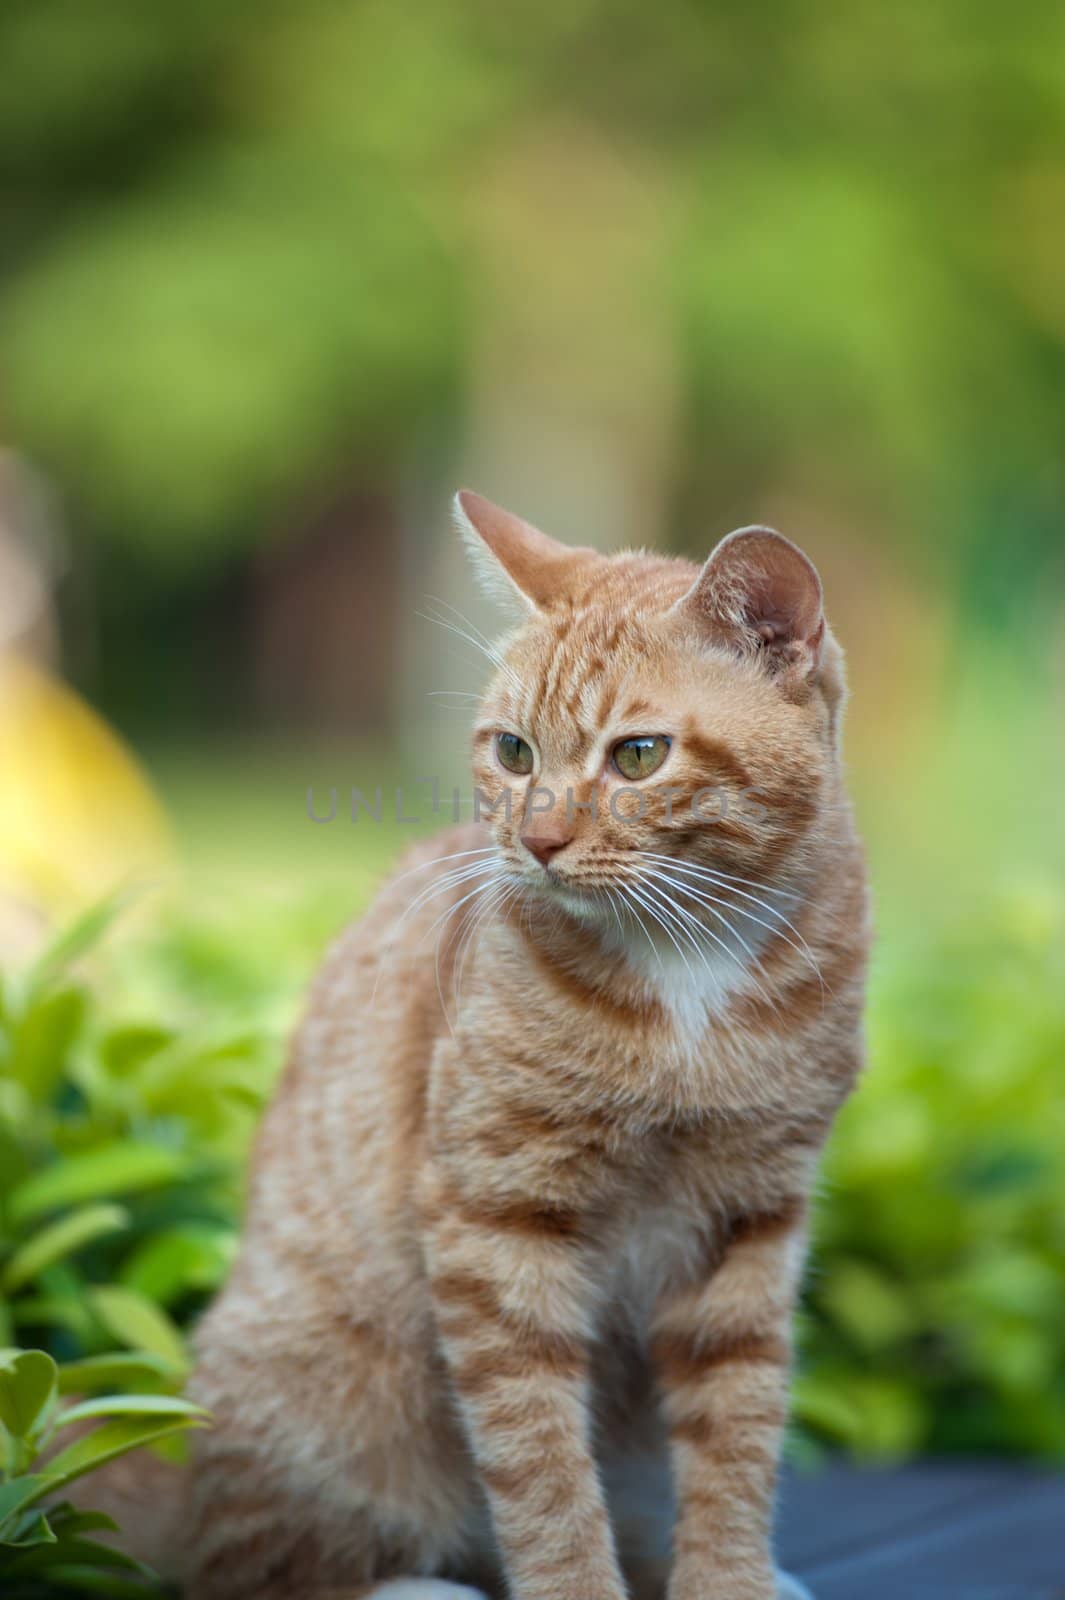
(927, 1532)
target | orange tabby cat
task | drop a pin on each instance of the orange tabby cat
(531, 1197)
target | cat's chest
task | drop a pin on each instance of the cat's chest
(690, 989)
(657, 1251)
(669, 1227)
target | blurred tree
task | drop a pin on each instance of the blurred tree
(245, 255)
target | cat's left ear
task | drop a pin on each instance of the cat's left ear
(760, 594)
(512, 559)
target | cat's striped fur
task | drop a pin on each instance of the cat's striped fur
(532, 1195)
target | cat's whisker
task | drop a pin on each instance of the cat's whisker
(715, 872)
(712, 904)
(732, 878)
(705, 875)
(709, 933)
(437, 861)
(447, 881)
(459, 633)
(479, 633)
(604, 893)
(799, 944)
(454, 699)
(667, 885)
(456, 656)
(464, 937)
(801, 948)
(499, 896)
(696, 930)
(514, 895)
(448, 912)
(468, 922)
(644, 900)
(688, 927)
(637, 921)
(488, 889)
(781, 928)
(460, 708)
(474, 638)
(458, 937)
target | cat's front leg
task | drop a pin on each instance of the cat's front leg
(722, 1351)
(513, 1304)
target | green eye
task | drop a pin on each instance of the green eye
(514, 753)
(638, 758)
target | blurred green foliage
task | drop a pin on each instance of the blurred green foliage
(244, 247)
(46, 1544)
(122, 1140)
(936, 1301)
(116, 1206)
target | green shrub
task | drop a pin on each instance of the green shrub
(120, 1147)
(936, 1300)
(46, 1545)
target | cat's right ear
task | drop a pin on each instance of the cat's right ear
(514, 562)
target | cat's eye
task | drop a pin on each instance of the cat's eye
(638, 758)
(514, 753)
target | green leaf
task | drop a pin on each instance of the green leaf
(113, 1371)
(41, 1042)
(27, 1384)
(193, 1257)
(176, 1080)
(134, 1320)
(66, 1519)
(97, 1580)
(111, 1439)
(815, 1401)
(54, 1311)
(117, 1168)
(61, 1239)
(20, 1492)
(32, 1528)
(67, 1552)
(132, 1405)
(125, 1049)
(14, 1159)
(867, 1305)
(75, 941)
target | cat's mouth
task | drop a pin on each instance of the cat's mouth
(589, 900)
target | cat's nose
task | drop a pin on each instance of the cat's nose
(543, 845)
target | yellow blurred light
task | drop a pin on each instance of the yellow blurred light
(77, 814)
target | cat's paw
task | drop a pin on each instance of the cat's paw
(424, 1589)
(789, 1588)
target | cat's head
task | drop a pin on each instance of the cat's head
(655, 731)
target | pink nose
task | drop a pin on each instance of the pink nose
(545, 846)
